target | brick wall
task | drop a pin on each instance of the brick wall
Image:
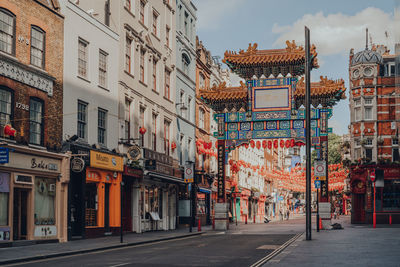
(28, 13)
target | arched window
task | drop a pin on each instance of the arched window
(37, 46)
(185, 64)
(7, 31)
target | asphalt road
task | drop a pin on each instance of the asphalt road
(213, 249)
(242, 245)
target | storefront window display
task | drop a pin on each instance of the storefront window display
(45, 193)
(91, 205)
(4, 197)
(388, 197)
(201, 203)
(152, 197)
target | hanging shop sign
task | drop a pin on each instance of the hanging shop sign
(77, 164)
(134, 152)
(106, 161)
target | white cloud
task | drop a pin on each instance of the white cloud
(210, 13)
(337, 33)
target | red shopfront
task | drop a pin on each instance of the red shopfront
(387, 195)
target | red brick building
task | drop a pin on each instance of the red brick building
(374, 134)
(33, 194)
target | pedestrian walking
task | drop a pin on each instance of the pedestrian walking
(287, 214)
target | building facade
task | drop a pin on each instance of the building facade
(91, 123)
(33, 176)
(374, 134)
(147, 110)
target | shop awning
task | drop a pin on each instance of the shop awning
(166, 178)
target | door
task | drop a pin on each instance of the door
(127, 207)
(358, 210)
(107, 208)
(20, 216)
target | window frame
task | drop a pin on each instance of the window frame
(154, 75)
(41, 123)
(11, 115)
(365, 113)
(127, 119)
(102, 128)
(105, 70)
(142, 11)
(13, 45)
(167, 135)
(167, 84)
(201, 118)
(86, 44)
(128, 55)
(142, 65)
(155, 22)
(167, 33)
(80, 122)
(40, 30)
(185, 64)
(154, 118)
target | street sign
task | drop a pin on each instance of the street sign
(4, 155)
(317, 184)
(372, 176)
(189, 173)
(319, 168)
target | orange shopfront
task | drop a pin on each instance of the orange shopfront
(95, 196)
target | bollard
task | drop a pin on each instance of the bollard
(254, 218)
(390, 219)
(199, 226)
(213, 224)
(320, 223)
(245, 219)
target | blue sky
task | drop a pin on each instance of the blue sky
(336, 27)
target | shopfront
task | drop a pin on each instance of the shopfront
(387, 194)
(94, 200)
(131, 182)
(33, 195)
(155, 198)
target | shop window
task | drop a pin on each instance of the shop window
(36, 122)
(395, 154)
(388, 197)
(368, 153)
(4, 197)
(152, 198)
(91, 204)
(45, 194)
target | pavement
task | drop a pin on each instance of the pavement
(355, 245)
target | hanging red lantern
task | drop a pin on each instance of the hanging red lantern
(282, 143)
(264, 144)
(9, 130)
(292, 143)
(269, 144)
(252, 144)
(142, 130)
(287, 143)
(173, 145)
(246, 145)
(230, 162)
(258, 144)
(275, 143)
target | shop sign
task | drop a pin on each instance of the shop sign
(4, 155)
(159, 157)
(77, 164)
(138, 173)
(221, 169)
(134, 152)
(23, 179)
(29, 162)
(106, 161)
(45, 231)
(163, 163)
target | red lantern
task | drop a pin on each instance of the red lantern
(173, 145)
(9, 130)
(282, 143)
(142, 130)
(269, 144)
(292, 143)
(287, 143)
(246, 145)
(264, 144)
(258, 145)
(230, 162)
(275, 143)
(252, 144)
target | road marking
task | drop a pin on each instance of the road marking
(276, 251)
(122, 264)
(273, 247)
